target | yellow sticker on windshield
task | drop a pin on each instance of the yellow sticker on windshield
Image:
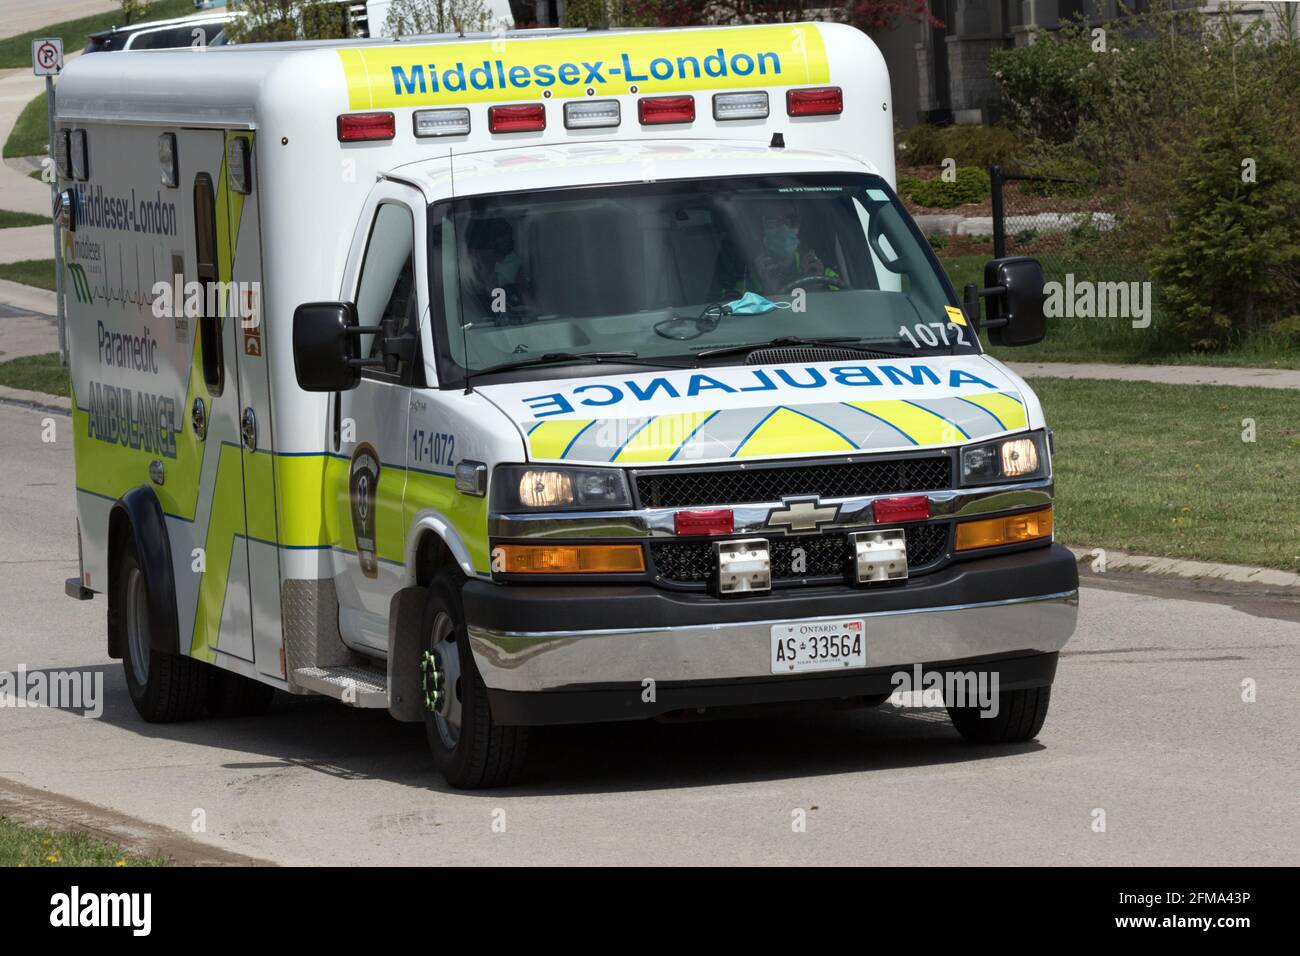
(954, 315)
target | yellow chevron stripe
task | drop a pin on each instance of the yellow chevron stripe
(1009, 411)
(661, 436)
(922, 425)
(787, 433)
(549, 439)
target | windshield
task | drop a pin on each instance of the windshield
(670, 272)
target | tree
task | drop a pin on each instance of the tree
(863, 14)
(413, 17)
(132, 9)
(267, 21)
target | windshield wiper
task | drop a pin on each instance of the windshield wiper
(846, 342)
(618, 358)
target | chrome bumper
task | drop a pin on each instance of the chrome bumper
(553, 660)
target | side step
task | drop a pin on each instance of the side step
(355, 686)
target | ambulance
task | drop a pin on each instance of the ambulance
(542, 377)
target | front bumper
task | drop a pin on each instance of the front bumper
(567, 653)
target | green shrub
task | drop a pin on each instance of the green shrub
(927, 145)
(938, 240)
(971, 185)
(1231, 264)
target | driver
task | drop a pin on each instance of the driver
(785, 258)
(496, 267)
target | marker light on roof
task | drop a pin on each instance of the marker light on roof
(590, 114)
(819, 101)
(737, 106)
(517, 119)
(452, 122)
(653, 110)
(362, 127)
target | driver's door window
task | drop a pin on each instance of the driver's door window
(387, 287)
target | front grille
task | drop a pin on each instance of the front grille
(848, 479)
(826, 555)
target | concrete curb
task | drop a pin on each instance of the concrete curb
(29, 297)
(1196, 570)
(36, 400)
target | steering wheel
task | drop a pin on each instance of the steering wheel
(818, 279)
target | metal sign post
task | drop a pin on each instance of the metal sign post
(47, 61)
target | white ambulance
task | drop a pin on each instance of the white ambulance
(502, 381)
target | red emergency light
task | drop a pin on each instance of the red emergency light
(654, 110)
(905, 508)
(363, 127)
(818, 101)
(528, 118)
(711, 521)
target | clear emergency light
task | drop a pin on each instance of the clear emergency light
(738, 106)
(366, 127)
(517, 119)
(592, 114)
(449, 122)
(819, 101)
(655, 110)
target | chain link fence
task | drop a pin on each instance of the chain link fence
(1072, 226)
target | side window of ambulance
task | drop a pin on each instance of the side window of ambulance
(205, 243)
(387, 287)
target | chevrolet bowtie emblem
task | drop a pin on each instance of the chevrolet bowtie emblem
(802, 515)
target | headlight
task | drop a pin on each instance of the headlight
(1011, 459)
(518, 488)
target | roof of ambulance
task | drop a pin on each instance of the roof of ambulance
(613, 161)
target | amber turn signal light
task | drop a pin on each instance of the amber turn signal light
(1006, 529)
(570, 558)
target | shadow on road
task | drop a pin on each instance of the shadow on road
(327, 737)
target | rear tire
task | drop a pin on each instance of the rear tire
(234, 695)
(470, 749)
(1020, 717)
(164, 686)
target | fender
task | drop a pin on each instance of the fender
(139, 514)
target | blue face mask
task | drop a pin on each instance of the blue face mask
(780, 241)
(751, 303)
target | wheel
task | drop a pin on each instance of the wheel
(469, 747)
(164, 687)
(1020, 717)
(234, 695)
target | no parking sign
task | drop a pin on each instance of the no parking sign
(47, 56)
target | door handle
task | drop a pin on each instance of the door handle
(248, 428)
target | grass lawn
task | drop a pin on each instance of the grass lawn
(24, 846)
(1162, 469)
(33, 272)
(31, 133)
(36, 373)
(1115, 340)
(17, 51)
(8, 219)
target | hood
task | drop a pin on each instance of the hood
(764, 411)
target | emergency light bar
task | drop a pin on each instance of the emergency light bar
(737, 106)
(819, 101)
(451, 122)
(654, 110)
(592, 114)
(517, 119)
(364, 127)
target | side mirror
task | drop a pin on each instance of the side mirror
(1014, 288)
(65, 210)
(325, 347)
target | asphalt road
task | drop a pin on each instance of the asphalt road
(1147, 724)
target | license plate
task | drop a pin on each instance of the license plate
(819, 646)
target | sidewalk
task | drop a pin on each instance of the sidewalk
(1164, 374)
(18, 191)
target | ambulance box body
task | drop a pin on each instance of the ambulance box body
(544, 377)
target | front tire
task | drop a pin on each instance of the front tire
(1019, 718)
(470, 749)
(164, 687)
